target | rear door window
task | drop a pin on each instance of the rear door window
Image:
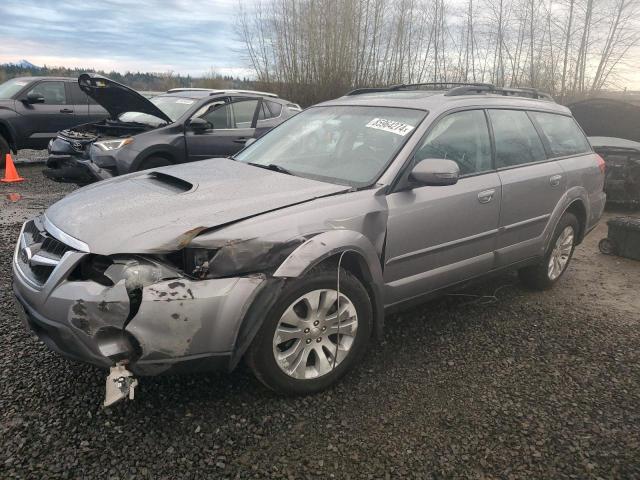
(243, 112)
(516, 139)
(562, 133)
(462, 137)
(76, 96)
(53, 92)
(225, 116)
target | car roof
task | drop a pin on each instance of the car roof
(206, 93)
(432, 100)
(33, 79)
(212, 91)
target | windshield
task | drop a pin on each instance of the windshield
(172, 107)
(9, 88)
(338, 144)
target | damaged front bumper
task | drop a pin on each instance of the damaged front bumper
(70, 169)
(162, 325)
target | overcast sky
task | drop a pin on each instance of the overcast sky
(185, 36)
(188, 37)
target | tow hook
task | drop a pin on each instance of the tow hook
(120, 384)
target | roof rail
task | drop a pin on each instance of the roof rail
(505, 91)
(215, 91)
(459, 88)
(413, 86)
(257, 92)
(192, 89)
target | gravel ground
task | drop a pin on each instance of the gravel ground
(30, 156)
(511, 385)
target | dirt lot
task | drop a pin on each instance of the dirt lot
(514, 384)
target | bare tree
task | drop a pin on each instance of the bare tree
(311, 50)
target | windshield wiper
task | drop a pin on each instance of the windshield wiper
(273, 167)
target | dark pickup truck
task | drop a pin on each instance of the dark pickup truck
(34, 109)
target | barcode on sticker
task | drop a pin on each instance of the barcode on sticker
(398, 128)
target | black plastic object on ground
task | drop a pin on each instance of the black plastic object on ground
(622, 158)
(623, 238)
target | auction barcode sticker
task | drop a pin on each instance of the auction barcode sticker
(398, 128)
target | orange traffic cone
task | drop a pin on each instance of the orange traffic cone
(10, 173)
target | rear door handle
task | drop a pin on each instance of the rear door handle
(486, 196)
(66, 110)
(554, 180)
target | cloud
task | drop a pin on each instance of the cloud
(146, 35)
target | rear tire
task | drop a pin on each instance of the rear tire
(545, 274)
(4, 149)
(153, 162)
(304, 362)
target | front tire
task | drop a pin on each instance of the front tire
(545, 274)
(304, 346)
(4, 149)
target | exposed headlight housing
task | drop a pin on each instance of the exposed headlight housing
(109, 145)
(236, 258)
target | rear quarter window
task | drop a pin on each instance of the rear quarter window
(274, 108)
(562, 133)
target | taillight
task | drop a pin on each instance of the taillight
(602, 165)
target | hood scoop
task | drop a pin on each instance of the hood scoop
(167, 183)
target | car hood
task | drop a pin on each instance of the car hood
(117, 98)
(162, 210)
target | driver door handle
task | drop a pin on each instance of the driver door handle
(66, 110)
(486, 196)
(241, 139)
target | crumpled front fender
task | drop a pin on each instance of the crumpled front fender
(327, 244)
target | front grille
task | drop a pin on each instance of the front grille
(39, 253)
(54, 247)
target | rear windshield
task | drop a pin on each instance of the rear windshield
(9, 88)
(172, 107)
(564, 136)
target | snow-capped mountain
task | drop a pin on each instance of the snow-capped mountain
(22, 64)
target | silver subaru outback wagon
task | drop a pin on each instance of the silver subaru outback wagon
(289, 253)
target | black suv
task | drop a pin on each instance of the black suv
(34, 109)
(182, 125)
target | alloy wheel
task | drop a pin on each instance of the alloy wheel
(313, 336)
(561, 252)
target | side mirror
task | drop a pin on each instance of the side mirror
(435, 171)
(198, 124)
(34, 97)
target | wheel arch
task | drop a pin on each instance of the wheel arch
(354, 252)
(578, 209)
(162, 153)
(575, 201)
(359, 257)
